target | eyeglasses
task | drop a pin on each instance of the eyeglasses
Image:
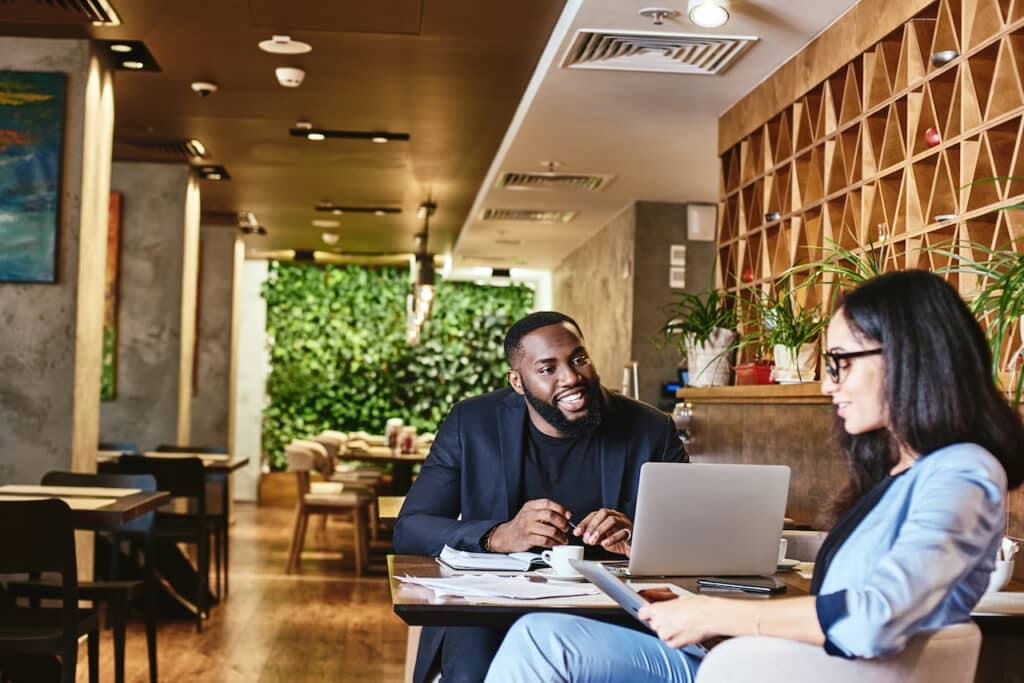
(832, 361)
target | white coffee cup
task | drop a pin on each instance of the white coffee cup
(559, 556)
(1000, 576)
(783, 545)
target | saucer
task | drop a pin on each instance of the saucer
(787, 565)
(552, 575)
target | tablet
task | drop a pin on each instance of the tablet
(622, 593)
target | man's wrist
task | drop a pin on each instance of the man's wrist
(485, 540)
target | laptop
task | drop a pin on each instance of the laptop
(708, 519)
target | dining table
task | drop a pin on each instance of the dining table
(401, 463)
(93, 508)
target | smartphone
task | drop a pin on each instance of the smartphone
(748, 584)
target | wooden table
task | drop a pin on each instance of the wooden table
(87, 509)
(401, 471)
(388, 507)
(418, 606)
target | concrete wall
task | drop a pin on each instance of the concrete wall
(659, 225)
(39, 323)
(594, 285)
(211, 388)
(152, 251)
(250, 378)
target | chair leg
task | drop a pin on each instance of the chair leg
(359, 538)
(118, 617)
(298, 540)
(150, 604)
(93, 640)
(202, 579)
(227, 552)
(216, 561)
(323, 524)
(374, 519)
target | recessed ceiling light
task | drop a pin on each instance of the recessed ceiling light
(132, 65)
(315, 136)
(330, 237)
(707, 13)
(284, 45)
(120, 47)
(378, 212)
(371, 135)
(132, 55)
(195, 148)
(379, 139)
(303, 125)
(213, 176)
(337, 212)
(214, 173)
(325, 223)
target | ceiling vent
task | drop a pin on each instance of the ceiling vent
(527, 215)
(678, 53)
(96, 12)
(512, 180)
(158, 150)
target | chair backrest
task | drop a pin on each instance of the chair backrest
(948, 655)
(212, 450)
(143, 482)
(38, 536)
(301, 459)
(180, 477)
(318, 457)
(123, 446)
(330, 443)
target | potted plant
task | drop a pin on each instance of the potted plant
(777, 321)
(704, 326)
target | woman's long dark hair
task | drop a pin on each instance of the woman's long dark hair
(938, 382)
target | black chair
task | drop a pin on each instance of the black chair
(217, 514)
(182, 478)
(124, 446)
(116, 594)
(38, 536)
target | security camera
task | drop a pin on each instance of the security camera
(204, 88)
(289, 76)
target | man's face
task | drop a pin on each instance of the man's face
(559, 382)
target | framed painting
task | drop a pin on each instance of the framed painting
(31, 139)
(111, 288)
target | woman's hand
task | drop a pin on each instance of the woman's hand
(685, 620)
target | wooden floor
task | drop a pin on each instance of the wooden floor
(322, 625)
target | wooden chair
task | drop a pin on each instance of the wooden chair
(216, 512)
(366, 477)
(302, 460)
(38, 536)
(183, 478)
(116, 594)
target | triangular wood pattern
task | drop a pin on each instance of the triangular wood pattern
(940, 94)
(976, 167)
(1006, 92)
(1003, 141)
(970, 110)
(983, 68)
(851, 102)
(893, 150)
(985, 22)
(826, 124)
(946, 36)
(1016, 12)
(784, 141)
(835, 171)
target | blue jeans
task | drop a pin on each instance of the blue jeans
(562, 648)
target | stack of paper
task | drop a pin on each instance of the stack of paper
(464, 560)
(515, 587)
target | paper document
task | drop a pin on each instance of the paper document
(516, 587)
(1001, 603)
(462, 559)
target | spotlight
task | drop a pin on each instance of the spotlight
(707, 13)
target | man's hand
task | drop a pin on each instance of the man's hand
(610, 529)
(539, 522)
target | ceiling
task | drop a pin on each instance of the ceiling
(477, 85)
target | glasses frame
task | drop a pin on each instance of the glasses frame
(831, 361)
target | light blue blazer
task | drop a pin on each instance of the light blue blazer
(920, 559)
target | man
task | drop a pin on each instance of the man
(510, 469)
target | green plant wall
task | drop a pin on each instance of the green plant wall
(339, 359)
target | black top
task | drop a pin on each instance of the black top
(844, 526)
(567, 471)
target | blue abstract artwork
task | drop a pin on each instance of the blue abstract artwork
(31, 137)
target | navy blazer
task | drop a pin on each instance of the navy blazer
(475, 468)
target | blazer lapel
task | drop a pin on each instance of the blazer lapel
(613, 459)
(511, 422)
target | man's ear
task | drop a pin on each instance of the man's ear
(516, 381)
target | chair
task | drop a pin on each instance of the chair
(948, 655)
(367, 477)
(116, 594)
(123, 447)
(301, 460)
(216, 512)
(38, 536)
(182, 478)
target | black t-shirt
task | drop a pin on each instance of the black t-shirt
(567, 471)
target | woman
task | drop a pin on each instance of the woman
(931, 447)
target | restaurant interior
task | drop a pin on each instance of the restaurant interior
(252, 252)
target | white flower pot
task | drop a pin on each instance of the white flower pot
(708, 362)
(795, 367)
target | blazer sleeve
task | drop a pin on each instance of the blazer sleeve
(672, 448)
(429, 518)
(951, 522)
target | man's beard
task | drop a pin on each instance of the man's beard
(557, 419)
